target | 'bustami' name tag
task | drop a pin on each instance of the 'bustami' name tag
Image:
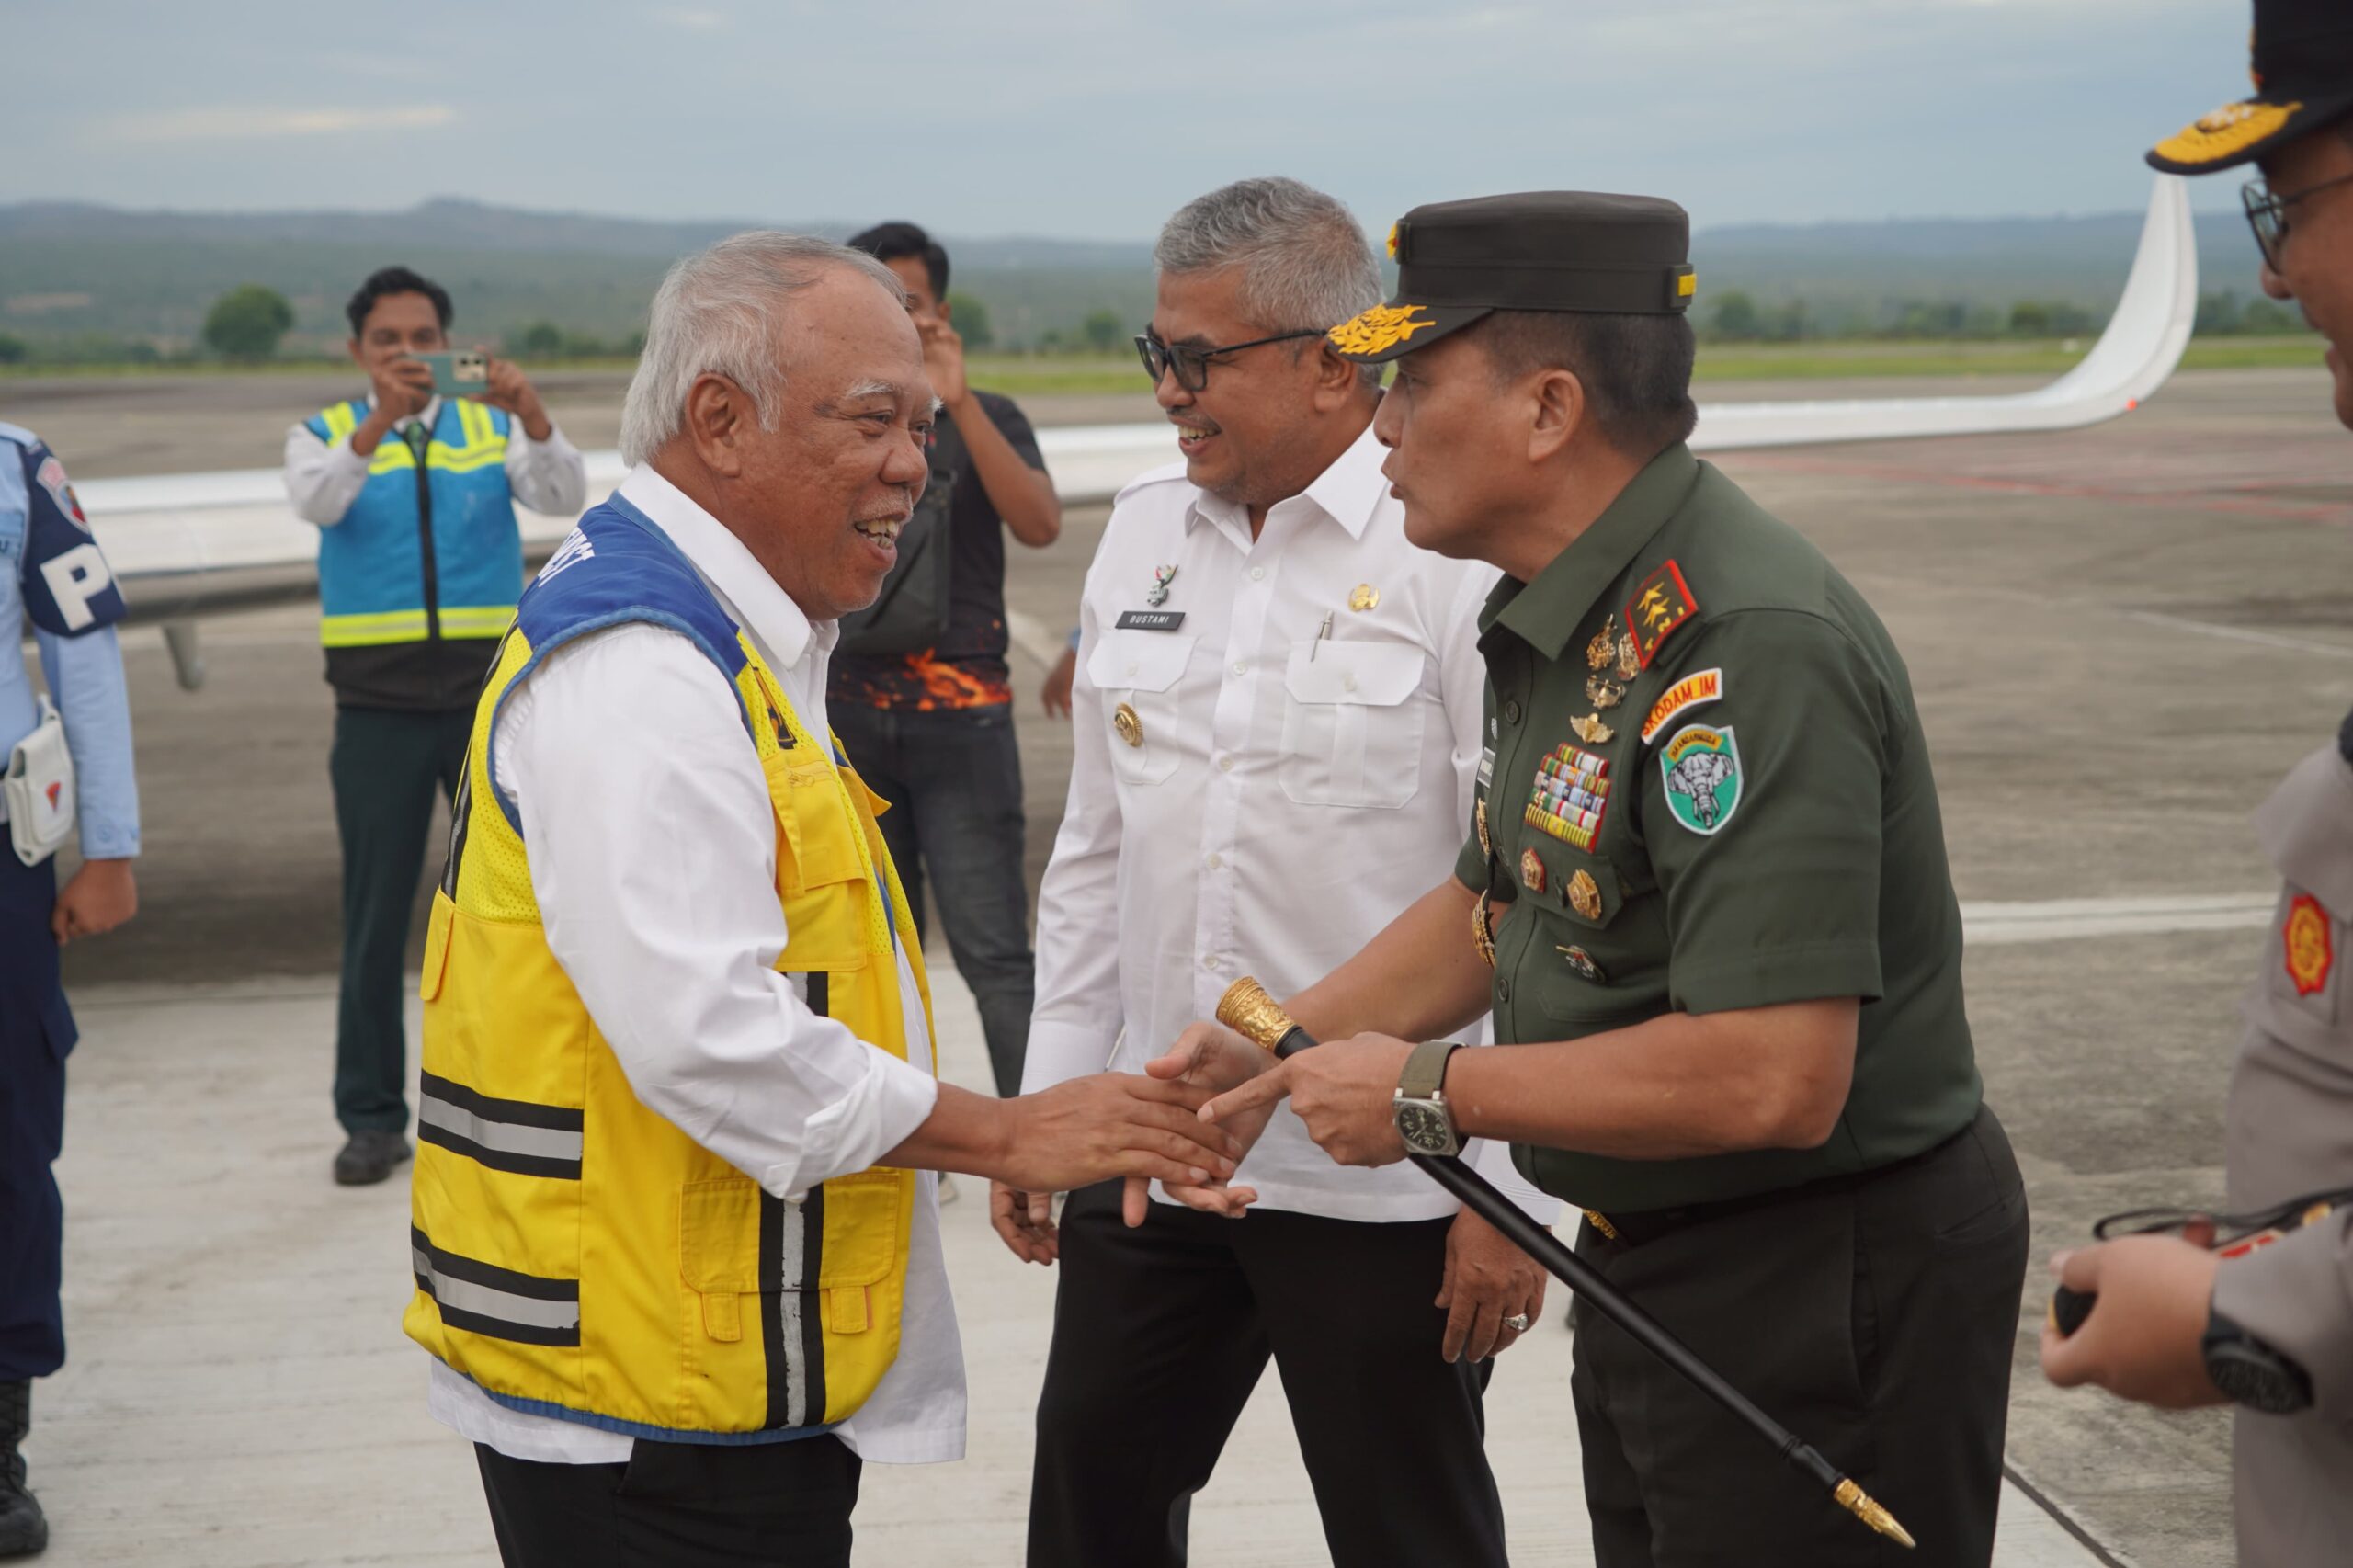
(1151, 620)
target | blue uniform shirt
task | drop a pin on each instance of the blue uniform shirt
(51, 572)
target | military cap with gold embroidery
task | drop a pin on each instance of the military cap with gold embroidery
(1539, 250)
(2302, 68)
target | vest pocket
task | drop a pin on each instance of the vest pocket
(719, 1250)
(820, 875)
(867, 1217)
(437, 946)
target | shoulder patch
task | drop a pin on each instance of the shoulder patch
(1662, 602)
(1699, 687)
(1700, 768)
(2311, 951)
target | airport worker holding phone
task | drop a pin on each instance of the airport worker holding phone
(67, 763)
(1704, 891)
(2172, 1322)
(412, 488)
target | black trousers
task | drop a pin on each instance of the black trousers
(1876, 1321)
(35, 1032)
(387, 765)
(1161, 1332)
(677, 1506)
(953, 778)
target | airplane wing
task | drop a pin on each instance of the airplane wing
(194, 544)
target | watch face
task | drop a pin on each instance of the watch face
(1424, 1127)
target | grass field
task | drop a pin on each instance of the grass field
(1019, 373)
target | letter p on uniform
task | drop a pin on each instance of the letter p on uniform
(75, 577)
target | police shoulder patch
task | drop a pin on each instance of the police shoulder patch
(1700, 686)
(1700, 768)
(1662, 602)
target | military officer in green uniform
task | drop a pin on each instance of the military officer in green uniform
(1708, 870)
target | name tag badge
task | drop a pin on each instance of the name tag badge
(1151, 620)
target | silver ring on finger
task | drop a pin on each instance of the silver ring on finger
(1516, 1323)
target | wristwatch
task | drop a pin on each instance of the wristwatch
(2250, 1371)
(1421, 1113)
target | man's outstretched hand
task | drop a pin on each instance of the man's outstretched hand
(1346, 1092)
(1112, 1124)
(1207, 1058)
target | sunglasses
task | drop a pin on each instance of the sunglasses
(1192, 364)
(2267, 213)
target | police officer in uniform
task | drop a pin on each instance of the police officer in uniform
(2171, 1320)
(52, 574)
(1705, 891)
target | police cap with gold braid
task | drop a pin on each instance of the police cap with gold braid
(2302, 68)
(1539, 250)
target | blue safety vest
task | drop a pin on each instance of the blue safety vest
(423, 554)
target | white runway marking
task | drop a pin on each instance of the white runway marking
(2058, 919)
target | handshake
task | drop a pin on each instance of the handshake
(1142, 1128)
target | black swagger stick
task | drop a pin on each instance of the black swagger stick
(1249, 1011)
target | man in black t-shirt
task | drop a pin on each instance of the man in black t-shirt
(932, 732)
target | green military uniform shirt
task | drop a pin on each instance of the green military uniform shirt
(1709, 789)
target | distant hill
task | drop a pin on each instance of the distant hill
(76, 273)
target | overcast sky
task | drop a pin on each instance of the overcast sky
(1093, 118)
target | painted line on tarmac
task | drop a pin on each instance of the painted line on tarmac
(2238, 633)
(1996, 925)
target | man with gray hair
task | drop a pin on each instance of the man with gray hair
(1276, 736)
(673, 1258)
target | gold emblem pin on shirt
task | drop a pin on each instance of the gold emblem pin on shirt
(1531, 870)
(1364, 597)
(1585, 895)
(1591, 730)
(1604, 646)
(1603, 692)
(1131, 728)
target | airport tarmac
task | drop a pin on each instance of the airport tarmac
(2121, 638)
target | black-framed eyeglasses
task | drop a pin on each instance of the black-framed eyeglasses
(1193, 363)
(2267, 213)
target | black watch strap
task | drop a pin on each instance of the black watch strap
(2251, 1372)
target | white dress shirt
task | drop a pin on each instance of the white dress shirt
(653, 858)
(324, 478)
(1306, 771)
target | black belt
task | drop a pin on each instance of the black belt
(1649, 1225)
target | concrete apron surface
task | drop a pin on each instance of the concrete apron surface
(239, 1393)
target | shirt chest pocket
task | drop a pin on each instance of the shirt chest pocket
(1352, 723)
(1141, 676)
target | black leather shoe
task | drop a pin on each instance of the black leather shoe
(369, 1157)
(23, 1531)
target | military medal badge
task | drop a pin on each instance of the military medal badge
(1585, 894)
(1603, 692)
(2310, 950)
(1604, 646)
(1700, 768)
(1531, 870)
(1581, 961)
(1161, 577)
(1570, 795)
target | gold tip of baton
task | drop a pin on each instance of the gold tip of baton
(1857, 1502)
(1248, 1011)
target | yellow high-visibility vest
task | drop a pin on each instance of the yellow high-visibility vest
(576, 1255)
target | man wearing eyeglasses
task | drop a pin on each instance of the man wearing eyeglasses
(2175, 1324)
(1276, 736)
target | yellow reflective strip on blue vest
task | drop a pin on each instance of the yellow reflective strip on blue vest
(476, 620)
(367, 630)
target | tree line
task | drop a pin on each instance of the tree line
(247, 324)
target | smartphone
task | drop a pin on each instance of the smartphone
(462, 374)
